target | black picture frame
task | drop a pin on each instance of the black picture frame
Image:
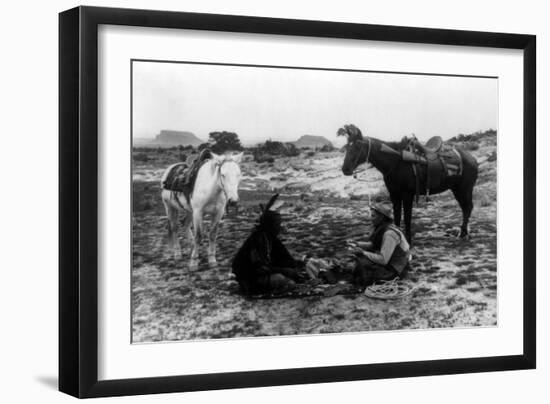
(78, 206)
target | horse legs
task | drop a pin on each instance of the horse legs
(173, 241)
(187, 222)
(464, 198)
(396, 202)
(214, 224)
(197, 234)
(407, 207)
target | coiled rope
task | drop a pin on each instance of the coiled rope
(386, 290)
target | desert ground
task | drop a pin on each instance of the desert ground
(453, 281)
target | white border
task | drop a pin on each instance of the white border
(119, 359)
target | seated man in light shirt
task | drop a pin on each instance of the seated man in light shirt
(387, 253)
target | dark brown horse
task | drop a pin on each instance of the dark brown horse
(399, 176)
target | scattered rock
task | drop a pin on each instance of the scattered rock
(298, 186)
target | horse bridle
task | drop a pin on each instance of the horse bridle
(222, 185)
(356, 163)
(355, 172)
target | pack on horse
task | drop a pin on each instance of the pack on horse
(410, 171)
(205, 188)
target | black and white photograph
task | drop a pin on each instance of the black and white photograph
(271, 202)
(285, 200)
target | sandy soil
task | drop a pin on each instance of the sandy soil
(454, 281)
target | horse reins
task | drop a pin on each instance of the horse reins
(367, 161)
(355, 172)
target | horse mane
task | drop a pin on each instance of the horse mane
(205, 154)
(353, 132)
(401, 145)
(398, 146)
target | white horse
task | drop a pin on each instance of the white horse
(216, 184)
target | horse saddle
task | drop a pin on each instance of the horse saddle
(432, 162)
(182, 176)
(433, 145)
(429, 150)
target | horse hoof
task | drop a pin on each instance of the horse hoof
(212, 261)
(193, 263)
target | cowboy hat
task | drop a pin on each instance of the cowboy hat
(383, 210)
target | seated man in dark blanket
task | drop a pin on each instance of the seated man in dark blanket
(263, 264)
(386, 255)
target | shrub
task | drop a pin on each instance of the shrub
(225, 141)
(476, 136)
(275, 148)
(484, 200)
(203, 146)
(141, 157)
(291, 150)
(327, 148)
(263, 158)
(471, 145)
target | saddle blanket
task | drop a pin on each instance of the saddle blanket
(182, 176)
(431, 169)
(450, 160)
(176, 180)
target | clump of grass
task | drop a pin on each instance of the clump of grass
(484, 200)
(262, 158)
(461, 280)
(471, 145)
(381, 195)
(141, 157)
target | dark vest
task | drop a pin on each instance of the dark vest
(399, 258)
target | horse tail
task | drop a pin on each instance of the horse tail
(469, 168)
(469, 162)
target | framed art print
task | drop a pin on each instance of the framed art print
(250, 201)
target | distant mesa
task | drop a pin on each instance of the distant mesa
(312, 141)
(170, 138)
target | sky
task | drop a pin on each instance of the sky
(260, 103)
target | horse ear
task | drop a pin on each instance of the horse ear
(342, 132)
(238, 157)
(271, 201)
(218, 158)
